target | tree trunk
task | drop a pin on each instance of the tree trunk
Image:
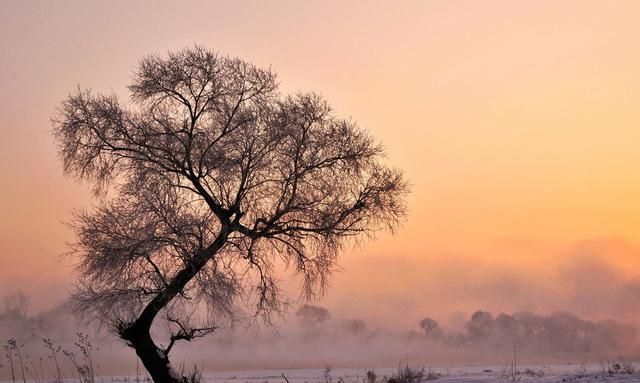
(138, 333)
(153, 358)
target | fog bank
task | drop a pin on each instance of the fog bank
(312, 336)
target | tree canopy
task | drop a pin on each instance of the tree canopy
(204, 180)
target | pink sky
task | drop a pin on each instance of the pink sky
(516, 123)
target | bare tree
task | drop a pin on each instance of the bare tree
(16, 306)
(206, 181)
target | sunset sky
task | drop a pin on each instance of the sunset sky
(517, 124)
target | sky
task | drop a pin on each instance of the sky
(516, 124)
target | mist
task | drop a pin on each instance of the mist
(456, 310)
(311, 336)
(595, 279)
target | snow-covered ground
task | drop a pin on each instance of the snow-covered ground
(454, 374)
(566, 373)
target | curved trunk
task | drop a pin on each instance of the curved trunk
(153, 358)
(138, 333)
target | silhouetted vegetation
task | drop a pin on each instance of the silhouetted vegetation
(46, 347)
(209, 178)
(311, 316)
(561, 331)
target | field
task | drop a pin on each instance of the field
(451, 374)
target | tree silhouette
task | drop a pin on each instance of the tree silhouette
(431, 327)
(203, 183)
